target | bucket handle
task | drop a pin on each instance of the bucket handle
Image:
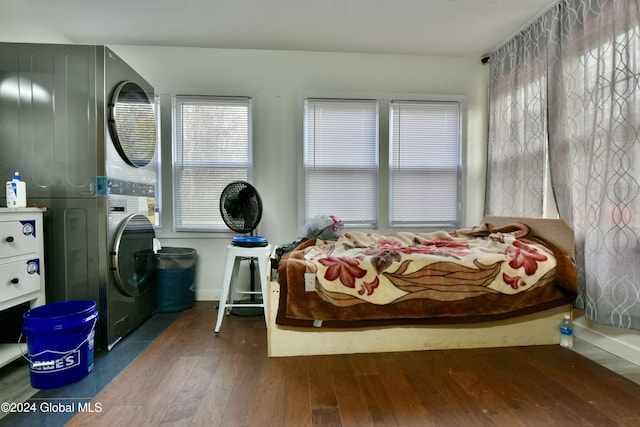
(52, 362)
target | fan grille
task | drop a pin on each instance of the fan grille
(241, 207)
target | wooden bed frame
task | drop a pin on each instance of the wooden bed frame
(532, 329)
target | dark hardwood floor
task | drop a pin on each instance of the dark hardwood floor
(189, 376)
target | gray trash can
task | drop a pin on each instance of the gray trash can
(176, 279)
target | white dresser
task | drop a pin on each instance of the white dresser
(21, 266)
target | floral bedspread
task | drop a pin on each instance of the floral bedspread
(383, 269)
(475, 274)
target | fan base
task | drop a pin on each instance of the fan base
(249, 241)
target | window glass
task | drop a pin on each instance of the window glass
(424, 163)
(341, 159)
(212, 149)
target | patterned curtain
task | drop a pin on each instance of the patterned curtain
(594, 150)
(572, 86)
(517, 125)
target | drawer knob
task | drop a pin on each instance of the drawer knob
(15, 281)
(9, 239)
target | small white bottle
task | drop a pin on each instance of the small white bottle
(16, 192)
(566, 332)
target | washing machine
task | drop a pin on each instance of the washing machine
(132, 174)
(131, 294)
(80, 126)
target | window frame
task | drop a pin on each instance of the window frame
(383, 224)
(177, 164)
(376, 157)
(458, 167)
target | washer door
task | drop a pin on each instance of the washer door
(133, 259)
(132, 124)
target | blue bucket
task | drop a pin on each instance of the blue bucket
(60, 341)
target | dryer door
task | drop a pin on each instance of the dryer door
(133, 259)
(132, 124)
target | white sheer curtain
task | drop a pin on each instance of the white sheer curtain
(517, 125)
(590, 52)
(594, 142)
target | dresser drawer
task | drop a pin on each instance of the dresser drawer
(19, 278)
(17, 238)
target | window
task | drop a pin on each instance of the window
(212, 149)
(341, 159)
(343, 175)
(424, 163)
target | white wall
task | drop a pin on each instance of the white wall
(278, 81)
(18, 24)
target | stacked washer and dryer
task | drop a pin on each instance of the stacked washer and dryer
(80, 126)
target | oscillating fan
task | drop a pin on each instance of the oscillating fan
(241, 210)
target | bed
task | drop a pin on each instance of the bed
(506, 282)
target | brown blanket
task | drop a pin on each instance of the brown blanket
(477, 274)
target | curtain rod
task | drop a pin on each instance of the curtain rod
(528, 24)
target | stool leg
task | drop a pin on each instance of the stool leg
(233, 282)
(226, 284)
(263, 265)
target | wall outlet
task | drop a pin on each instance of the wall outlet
(309, 282)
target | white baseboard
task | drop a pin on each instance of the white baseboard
(207, 295)
(622, 342)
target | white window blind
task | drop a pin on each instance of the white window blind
(341, 159)
(212, 149)
(424, 163)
